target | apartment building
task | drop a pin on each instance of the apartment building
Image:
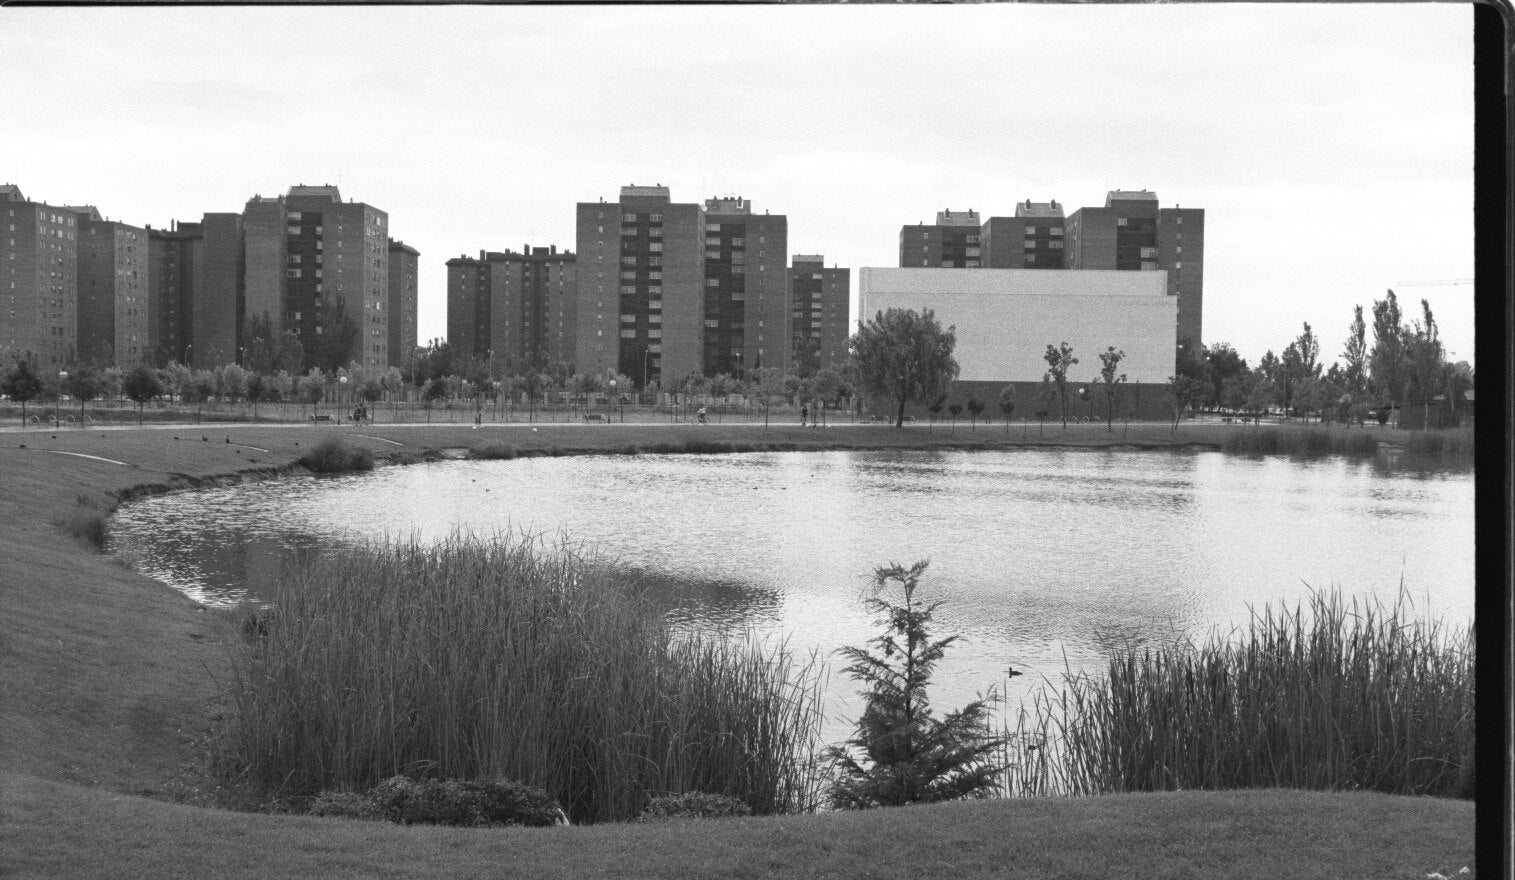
(114, 291)
(515, 310)
(404, 274)
(1033, 239)
(747, 315)
(952, 242)
(38, 280)
(819, 300)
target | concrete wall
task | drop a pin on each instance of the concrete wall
(1006, 318)
(220, 300)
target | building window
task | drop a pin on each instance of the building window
(628, 218)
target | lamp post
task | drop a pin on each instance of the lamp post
(58, 404)
(342, 384)
(618, 400)
(186, 353)
(645, 351)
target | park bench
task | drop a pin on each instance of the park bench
(595, 417)
(320, 418)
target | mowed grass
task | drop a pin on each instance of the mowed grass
(482, 659)
(1330, 695)
(109, 682)
(55, 830)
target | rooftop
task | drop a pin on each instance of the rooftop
(957, 218)
(658, 191)
(728, 205)
(809, 258)
(1120, 195)
(1029, 208)
(325, 191)
(10, 192)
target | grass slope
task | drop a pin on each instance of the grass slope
(107, 679)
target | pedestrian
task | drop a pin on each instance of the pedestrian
(804, 414)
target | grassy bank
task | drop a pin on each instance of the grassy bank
(481, 659)
(110, 684)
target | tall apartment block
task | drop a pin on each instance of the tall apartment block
(38, 279)
(115, 291)
(1131, 232)
(746, 320)
(819, 299)
(196, 314)
(404, 273)
(1033, 239)
(951, 243)
(319, 266)
(174, 257)
(641, 286)
(515, 310)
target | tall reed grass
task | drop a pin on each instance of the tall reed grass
(1300, 441)
(1451, 443)
(498, 658)
(334, 456)
(1330, 696)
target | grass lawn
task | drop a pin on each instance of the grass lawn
(109, 679)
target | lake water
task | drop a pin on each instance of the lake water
(1041, 557)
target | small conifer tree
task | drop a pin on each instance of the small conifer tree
(901, 753)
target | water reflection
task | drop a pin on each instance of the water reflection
(1040, 556)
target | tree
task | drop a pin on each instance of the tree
(1386, 360)
(141, 385)
(901, 753)
(311, 388)
(1007, 404)
(956, 409)
(768, 385)
(1224, 368)
(200, 387)
(82, 384)
(21, 385)
(1046, 395)
(338, 334)
(1356, 355)
(975, 409)
(1059, 359)
(935, 409)
(1110, 358)
(903, 356)
(1182, 392)
(435, 390)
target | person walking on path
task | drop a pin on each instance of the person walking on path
(804, 414)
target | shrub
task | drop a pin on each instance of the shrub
(1455, 443)
(334, 456)
(345, 805)
(694, 805)
(1300, 441)
(86, 520)
(502, 451)
(901, 753)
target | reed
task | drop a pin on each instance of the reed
(1331, 696)
(1450, 443)
(482, 659)
(495, 451)
(1302, 441)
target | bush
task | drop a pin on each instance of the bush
(458, 802)
(694, 805)
(1455, 443)
(1300, 441)
(495, 451)
(334, 456)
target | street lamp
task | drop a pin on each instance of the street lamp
(186, 353)
(343, 381)
(618, 400)
(58, 404)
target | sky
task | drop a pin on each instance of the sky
(1330, 145)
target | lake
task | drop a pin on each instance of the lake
(1040, 557)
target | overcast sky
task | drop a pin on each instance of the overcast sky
(1330, 145)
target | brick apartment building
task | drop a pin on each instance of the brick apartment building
(514, 310)
(950, 243)
(115, 291)
(819, 299)
(38, 280)
(404, 293)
